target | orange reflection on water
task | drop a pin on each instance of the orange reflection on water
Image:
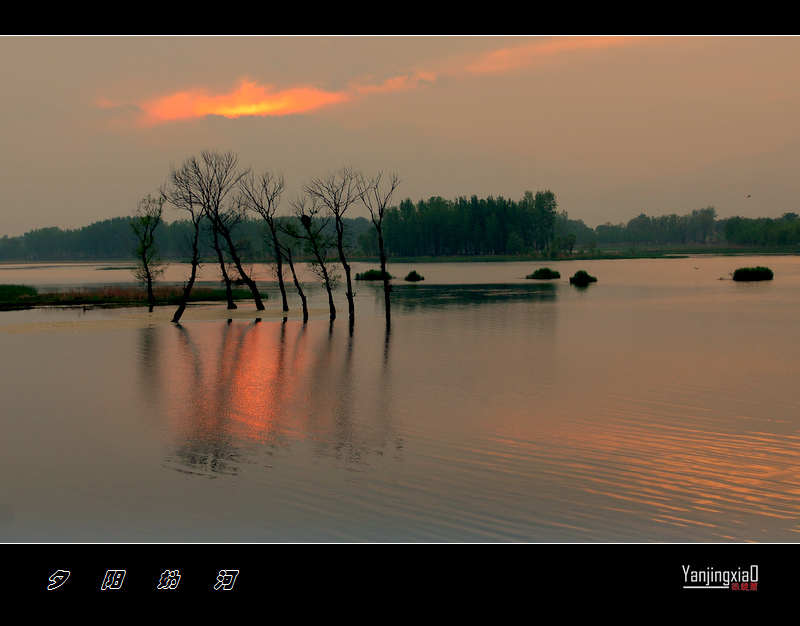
(682, 471)
(224, 385)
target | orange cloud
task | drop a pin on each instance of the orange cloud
(248, 98)
(515, 57)
(400, 82)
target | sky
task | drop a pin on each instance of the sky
(614, 126)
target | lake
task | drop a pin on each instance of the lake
(659, 404)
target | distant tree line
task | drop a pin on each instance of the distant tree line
(112, 239)
(701, 227)
(472, 227)
(433, 227)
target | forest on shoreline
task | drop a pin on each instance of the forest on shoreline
(439, 229)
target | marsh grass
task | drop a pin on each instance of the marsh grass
(24, 296)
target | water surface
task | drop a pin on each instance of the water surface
(658, 404)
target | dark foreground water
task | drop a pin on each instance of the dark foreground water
(658, 404)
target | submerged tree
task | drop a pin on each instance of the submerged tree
(223, 266)
(287, 250)
(214, 177)
(263, 196)
(179, 190)
(377, 200)
(317, 243)
(337, 191)
(150, 266)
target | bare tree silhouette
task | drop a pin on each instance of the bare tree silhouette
(377, 199)
(337, 191)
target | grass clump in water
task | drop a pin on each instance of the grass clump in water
(544, 273)
(414, 277)
(372, 275)
(753, 273)
(582, 278)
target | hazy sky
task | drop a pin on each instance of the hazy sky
(614, 126)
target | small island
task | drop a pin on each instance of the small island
(582, 278)
(544, 273)
(752, 273)
(413, 276)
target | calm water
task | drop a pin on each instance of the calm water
(659, 404)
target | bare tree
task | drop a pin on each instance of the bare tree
(263, 196)
(150, 266)
(337, 191)
(215, 176)
(179, 190)
(317, 242)
(377, 200)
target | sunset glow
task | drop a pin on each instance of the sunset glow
(249, 98)
(517, 57)
(614, 125)
(400, 82)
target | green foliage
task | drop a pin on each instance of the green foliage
(752, 273)
(544, 273)
(372, 275)
(763, 231)
(471, 227)
(413, 277)
(582, 278)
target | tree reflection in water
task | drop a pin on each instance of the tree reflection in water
(228, 392)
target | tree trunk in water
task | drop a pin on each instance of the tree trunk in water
(238, 264)
(227, 280)
(279, 265)
(151, 298)
(328, 287)
(229, 291)
(387, 288)
(254, 289)
(350, 295)
(187, 290)
(330, 303)
(299, 288)
(340, 244)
